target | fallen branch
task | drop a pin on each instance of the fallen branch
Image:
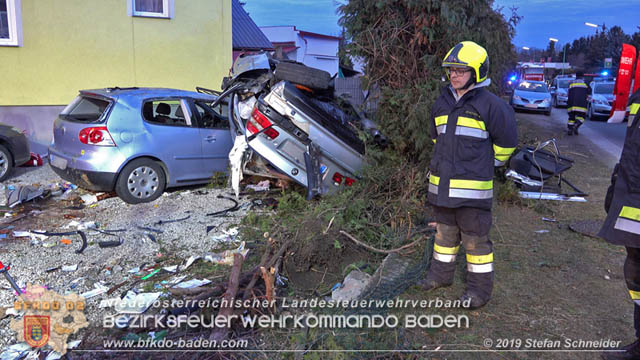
(369, 247)
(268, 281)
(219, 334)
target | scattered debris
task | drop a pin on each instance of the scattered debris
(158, 231)
(190, 261)
(587, 227)
(235, 207)
(70, 268)
(82, 236)
(549, 220)
(352, 286)
(541, 231)
(15, 351)
(99, 289)
(160, 222)
(261, 186)
(20, 194)
(226, 257)
(4, 270)
(151, 274)
(89, 199)
(134, 303)
(550, 196)
(193, 283)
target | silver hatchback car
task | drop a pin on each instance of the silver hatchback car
(139, 141)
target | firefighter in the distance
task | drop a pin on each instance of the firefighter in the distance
(473, 131)
(577, 103)
(622, 225)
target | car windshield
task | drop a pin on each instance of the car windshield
(563, 84)
(603, 89)
(533, 86)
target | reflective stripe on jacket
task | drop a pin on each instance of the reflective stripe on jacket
(471, 135)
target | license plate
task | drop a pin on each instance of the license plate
(531, 106)
(58, 162)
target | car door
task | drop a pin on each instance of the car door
(175, 138)
(215, 136)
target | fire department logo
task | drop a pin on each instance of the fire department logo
(36, 330)
(49, 318)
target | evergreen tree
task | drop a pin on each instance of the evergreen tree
(403, 43)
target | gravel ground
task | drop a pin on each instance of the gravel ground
(30, 258)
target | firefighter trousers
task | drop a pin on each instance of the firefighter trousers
(632, 277)
(576, 119)
(469, 226)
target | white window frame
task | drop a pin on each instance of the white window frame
(14, 17)
(167, 7)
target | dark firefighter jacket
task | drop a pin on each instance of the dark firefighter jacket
(622, 225)
(578, 92)
(471, 136)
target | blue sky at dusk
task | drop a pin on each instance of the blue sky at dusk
(543, 19)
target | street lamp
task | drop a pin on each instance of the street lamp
(525, 48)
(591, 24)
(564, 52)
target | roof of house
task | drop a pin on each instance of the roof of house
(246, 34)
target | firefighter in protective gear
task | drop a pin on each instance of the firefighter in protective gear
(473, 131)
(622, 225)
(577, 103)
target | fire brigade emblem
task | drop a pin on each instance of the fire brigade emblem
(36, 330)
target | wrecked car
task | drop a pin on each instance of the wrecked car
(288, 123)
(140, 141)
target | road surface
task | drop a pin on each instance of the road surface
(608, 137)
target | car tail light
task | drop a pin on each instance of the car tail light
(98, 136)
(337, 178)
(259, 122)
(349, 181)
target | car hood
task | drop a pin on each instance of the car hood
(604, 97)
(531, 95)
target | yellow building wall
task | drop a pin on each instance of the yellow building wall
(71, 45)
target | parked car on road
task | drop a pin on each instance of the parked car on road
(533, 96)
(560, 90)
(14, 150)
(600, 99)
(294, 126)
(140, 141)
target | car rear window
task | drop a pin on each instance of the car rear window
(85, 109)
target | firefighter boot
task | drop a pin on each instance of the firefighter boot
(629, 352)
(579, 122)
(570, 130)
(443, 263)
(479, 270)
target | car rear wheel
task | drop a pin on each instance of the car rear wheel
(6, 163)
(142, 180)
